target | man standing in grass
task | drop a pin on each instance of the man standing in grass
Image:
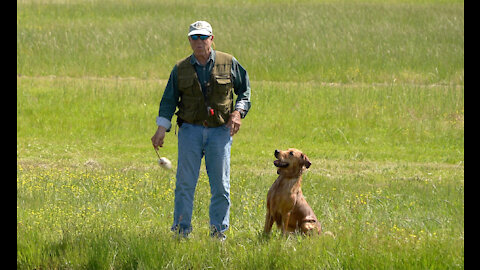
(202, 86)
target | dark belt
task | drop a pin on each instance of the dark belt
(204, 123)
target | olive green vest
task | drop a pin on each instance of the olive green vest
(193, 108)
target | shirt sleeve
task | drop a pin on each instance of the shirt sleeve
(169, 101)
(241, 85)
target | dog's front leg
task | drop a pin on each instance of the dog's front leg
(268, 223)
(285, 219)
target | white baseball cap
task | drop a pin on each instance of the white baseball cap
(200, 28)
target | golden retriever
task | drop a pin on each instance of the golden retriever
(285, 202)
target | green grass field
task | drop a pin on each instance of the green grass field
(371, 91)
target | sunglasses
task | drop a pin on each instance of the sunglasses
(202, 37)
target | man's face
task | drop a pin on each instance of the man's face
(199, 46)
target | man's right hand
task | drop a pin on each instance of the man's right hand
(157, 139)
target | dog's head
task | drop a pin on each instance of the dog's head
(291, 161)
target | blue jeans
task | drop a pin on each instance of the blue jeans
(194, 142)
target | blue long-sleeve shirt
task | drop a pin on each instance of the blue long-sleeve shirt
(171, 95)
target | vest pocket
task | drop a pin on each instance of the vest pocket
(222, 97)
(223, 81)
(189, 107)
(222, 86)
(185, 85)
(222, 112)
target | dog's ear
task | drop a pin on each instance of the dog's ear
(306, 161)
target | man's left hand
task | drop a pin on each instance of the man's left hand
(234, 122)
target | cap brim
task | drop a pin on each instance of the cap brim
(200, 32)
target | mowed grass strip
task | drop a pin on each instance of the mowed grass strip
(110, 120)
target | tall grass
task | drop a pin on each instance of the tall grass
(328, 42)
(383, 215)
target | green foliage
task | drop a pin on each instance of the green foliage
(338, 41)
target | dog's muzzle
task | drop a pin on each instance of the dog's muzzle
(280, 164)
